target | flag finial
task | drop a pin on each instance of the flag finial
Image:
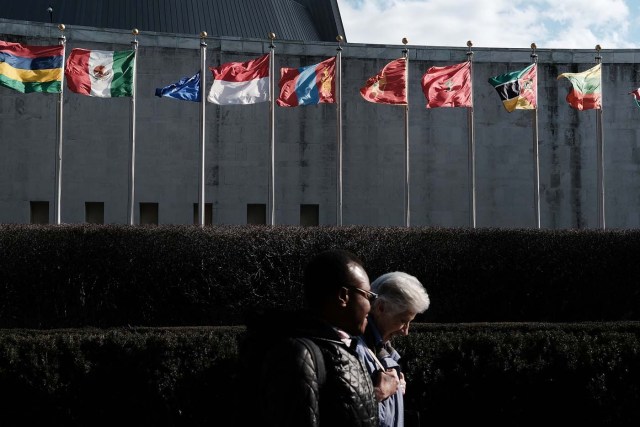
(135, 31)
(203, 34)
(534, 55)
(62, 39)
(339, 39)
(272, 36)
(405, 41)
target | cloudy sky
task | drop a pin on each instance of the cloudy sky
(568, 24)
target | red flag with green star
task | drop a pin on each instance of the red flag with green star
(448, 86)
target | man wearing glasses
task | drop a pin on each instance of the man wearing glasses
(309, 373)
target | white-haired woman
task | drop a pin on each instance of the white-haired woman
(400, 297)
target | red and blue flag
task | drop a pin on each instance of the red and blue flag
(309, 85)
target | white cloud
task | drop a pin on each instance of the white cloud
(496, 23)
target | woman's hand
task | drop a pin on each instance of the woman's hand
(387, 384)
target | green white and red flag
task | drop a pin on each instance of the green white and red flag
(586, 93)
(99, 73)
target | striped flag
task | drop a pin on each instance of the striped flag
(240, 82)
(30, 69)
(100, 73)
(586, 93)
(309, 85)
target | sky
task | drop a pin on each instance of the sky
(558, 24)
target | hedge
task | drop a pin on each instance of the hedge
(503, 374)
(111, 276)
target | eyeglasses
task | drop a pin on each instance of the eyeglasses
(371, 296)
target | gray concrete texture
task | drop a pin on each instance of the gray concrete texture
(96, 141)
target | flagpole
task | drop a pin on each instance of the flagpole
(203, 79)
(536, 155)
(472, 148)
(407, 210)
(62, 40)
(339, 38)
(132, 166)
(600, 142)
(272, 133)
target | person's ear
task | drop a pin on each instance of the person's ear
(343, 296)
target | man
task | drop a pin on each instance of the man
(300, 369)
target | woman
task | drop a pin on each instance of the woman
(400, 297)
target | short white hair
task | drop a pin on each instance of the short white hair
(401, 292)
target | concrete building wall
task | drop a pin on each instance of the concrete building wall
(96, 141)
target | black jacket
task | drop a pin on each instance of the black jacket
(279, 383)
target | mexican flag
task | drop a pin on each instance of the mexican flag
(586, 93)
(517, 89)
(100, 73)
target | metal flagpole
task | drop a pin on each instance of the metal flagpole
(600, 136)
(407, 211)
(132, 166)
(536, 157)
(272, 140)
(62, 40)
(472, 147)
(339, 38)
(203, 79)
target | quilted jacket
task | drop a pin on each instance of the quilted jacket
(285, 389)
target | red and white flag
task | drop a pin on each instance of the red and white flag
(389, 86)
(448, 86)
(240, 82)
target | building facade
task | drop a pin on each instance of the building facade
(96, 142)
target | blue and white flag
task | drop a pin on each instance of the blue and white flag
(187, 89)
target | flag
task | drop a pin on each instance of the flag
(518, 89)
(30, 69)
(186, 89)
(240, 82)
(389, 86)
(448, 86)
(309, 85)
(586, 93)
(636, 96)
(100, 73)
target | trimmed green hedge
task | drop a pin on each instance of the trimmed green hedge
(110, 276)
(501, 374)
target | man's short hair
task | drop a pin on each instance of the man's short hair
(325, 273)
